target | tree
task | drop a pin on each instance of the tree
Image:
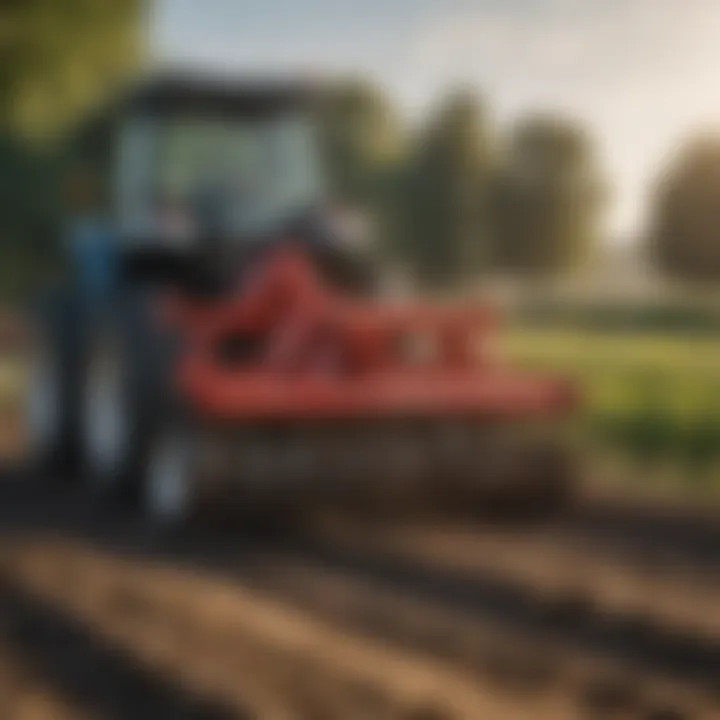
(684, 237)
(56, 60)
(547, 199)
(446, 228)
(362, 140)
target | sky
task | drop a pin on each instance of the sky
(643, 74)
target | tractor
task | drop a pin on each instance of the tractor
(223, 340)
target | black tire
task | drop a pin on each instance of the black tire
(144, 352)
(58, 330)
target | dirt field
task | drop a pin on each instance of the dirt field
(610, 613)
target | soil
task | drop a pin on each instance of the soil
(608, 612)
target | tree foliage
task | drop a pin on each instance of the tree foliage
(450, 204)
(685, 230)
(446, 229)
(56, 60)
(363, 141)
(446, 202)
(548, 198)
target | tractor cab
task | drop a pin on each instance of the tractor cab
(199, 173)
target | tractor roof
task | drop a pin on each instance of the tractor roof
(177, 91)
(202, 92)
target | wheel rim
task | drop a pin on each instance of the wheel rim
(105, 419)
(168, 491)
(43, 404)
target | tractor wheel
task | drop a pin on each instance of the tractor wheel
(55, 371)
(126, 393)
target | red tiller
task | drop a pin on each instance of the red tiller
(317, 354)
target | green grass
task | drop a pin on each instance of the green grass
(653, 399)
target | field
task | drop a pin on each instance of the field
(651, 400)
(607, 612)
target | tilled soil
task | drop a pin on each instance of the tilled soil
(24, 693)
(610, 613)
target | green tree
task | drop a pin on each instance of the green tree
(363, 143)
(684, 236)
(56, 60)
(446, 227)
(548, 197)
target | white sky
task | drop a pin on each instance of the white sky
(643, 73)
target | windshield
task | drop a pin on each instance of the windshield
(248, 175)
